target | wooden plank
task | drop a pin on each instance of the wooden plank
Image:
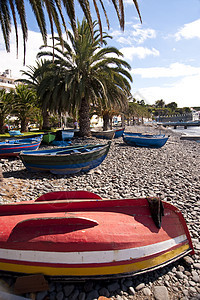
(30, 283)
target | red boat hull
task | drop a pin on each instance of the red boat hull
(89, 238)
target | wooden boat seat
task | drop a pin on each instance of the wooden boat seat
(75, 151)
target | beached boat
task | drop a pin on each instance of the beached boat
(63, 135)
(107, 134)
(49, 137)
(188, 137)
(66, 160)
(31, 138)
(146, 140)
(15, 132)
(119, 132)
(21, 137)
(14, 147)
(77, 236)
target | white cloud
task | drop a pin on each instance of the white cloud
(184, 92)
(189, 31)
(134, 33)
(140, 52)
(10, 61)
(142, 34)
(128, 2)
(174, 70)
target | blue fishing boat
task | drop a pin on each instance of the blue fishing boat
(63, 135)
(14, 147)
(146, 140)
(22, 138)
(15, 132)
(31, 138)
(119, 132)
(66, 160)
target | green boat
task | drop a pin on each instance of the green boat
(49, 137)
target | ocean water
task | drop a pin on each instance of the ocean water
(191, 130)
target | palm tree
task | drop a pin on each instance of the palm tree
(42, 72)
(6, 107)
(25, 100)
(10, 8)
(90, 73)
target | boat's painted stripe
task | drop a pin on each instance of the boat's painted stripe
(90, 257)
(81, 265)
(20, 148)
(97, 271)
(67, 164)
(9, 147)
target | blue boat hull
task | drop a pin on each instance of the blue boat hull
(145, 141)
(66, 169)
(13, 149)
(119, 133)
(68, 160)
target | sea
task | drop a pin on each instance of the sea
(191, 130)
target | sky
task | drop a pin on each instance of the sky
(163, 51)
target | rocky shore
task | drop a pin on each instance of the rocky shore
(172, 173)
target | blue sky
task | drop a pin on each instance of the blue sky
(164, 51)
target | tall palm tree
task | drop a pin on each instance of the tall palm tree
(10, 8)
(42, 72)
(6, 106)
(90, 72)
(25, 100)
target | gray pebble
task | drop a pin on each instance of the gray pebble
(60, 296)
(104, 292)
(179, 275)
(88, 286)
(82, 296)
(160, 293)
(41, 295)
(74, 295)
(92, 295)
(113, 286)
(139, 286)
(192, 290)
(146, 291)
(68, 289)
(197, 266)
(131, 290)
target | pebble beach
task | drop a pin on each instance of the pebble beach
(171, 172)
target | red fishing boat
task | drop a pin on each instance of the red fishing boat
(78, 235)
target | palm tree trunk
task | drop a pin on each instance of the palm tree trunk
(111, 119)
(46, 122)
(105, 121)
(2, 130)
(1, 173)
(123, 120)
(24, 125)
(84, 118)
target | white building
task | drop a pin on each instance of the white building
(195, 115)
(6, 81)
